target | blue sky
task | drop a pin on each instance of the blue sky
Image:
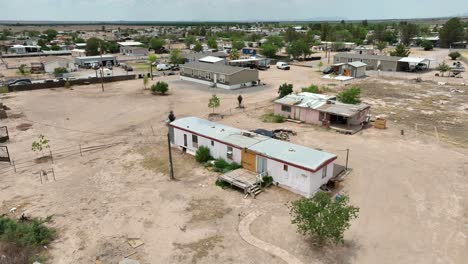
(206, 10)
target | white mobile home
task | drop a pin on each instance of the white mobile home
(297, 168)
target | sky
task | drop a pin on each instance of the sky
(226, 10)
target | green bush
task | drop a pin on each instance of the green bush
(454, 55)
(223, 166)
(60, 71)
(350, 96)
(273, 118)
(222, 184)
(267, 181)
(285, 89)
(160, 87)
(3, 89)
(203, 154)
(30, 233)
(311, 89)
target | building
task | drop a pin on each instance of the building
(196, 56)
(22, 49)
(382, 62)
(219, 75)
(297, 168)
(51, 63)
(78, 52)
(323, 110)
(132, 48)
(364, 50)
(89, 61)
(354, 69)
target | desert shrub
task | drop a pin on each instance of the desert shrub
(311, 89)
(26, 233)
(273, 118)
(203, 154)
(220, 165)
(222, 184)
(59, 71)
(285, 89)
(3, 89)
(267, 181)
(350, 96)
(160, 87)
(454, 55)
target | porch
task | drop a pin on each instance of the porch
(244, 179)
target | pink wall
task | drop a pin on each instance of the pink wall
(306, 115)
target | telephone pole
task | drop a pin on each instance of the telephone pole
(171, 168)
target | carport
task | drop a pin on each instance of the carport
(410, 63)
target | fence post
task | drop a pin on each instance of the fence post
(81, 153)
(51, 157)
(14, 166)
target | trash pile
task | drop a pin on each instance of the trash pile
(283, 134)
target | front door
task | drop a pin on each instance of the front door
(297, 113)
(261, 164)
(249, 160)
(185, 140)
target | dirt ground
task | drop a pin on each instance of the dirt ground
(411, 189)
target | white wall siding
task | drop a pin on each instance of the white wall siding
(219, 150)
(295, 179)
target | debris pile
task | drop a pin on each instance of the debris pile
(283, 134)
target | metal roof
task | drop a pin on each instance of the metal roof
(413, 60)
(346, 110)
(216, 68)
(130, 43)
(291, 153)
(309, 100)
(366, 56)
(210, 59)
(276, 149)
(357, 64)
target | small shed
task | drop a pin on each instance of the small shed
(358, 69)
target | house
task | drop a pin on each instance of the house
(364, 50)
(51, 63)
(219, 75)
(354, 69)
(88, 61)
(382, 62)
(323, 110)
(78, 52)
(132, 48)
(212, 59)
(22, 49)
(194, 57)
(297, 168)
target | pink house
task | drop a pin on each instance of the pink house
(324, 110)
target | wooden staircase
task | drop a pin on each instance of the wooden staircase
(254, 190)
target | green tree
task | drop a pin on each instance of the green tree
(60, 71)
(269, 50)
(212, 44)
(41, 144)
(111, 47)
(320, 65)
(41, 43)
(323, 218)
(285, 89)
(156, 43)
(152, 60)
(51, 34)
(427, 45)
(190, 40)
(22, 69)
(198, 47)
(234, 54)
(350, 96)
(443, 68)
(214, 102)
(55, 47)
(79, 40)
(451, 32)
(291, 35)
(160, 87)
(311, 89)
(238, 44)
(176, 57)
(93, 46)
(145, 81)
(298, 48)
(400, 51)
(381, 46)
(408, 31)
(454, 55)
(275, 40)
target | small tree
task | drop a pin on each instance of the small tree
(320, 65)
(212, 44)
(400, 51)
(160, 87)
(214, 102)
(269, 50)
(152, 59)
(311, 89)
(176, 57)
(22, 69)
(60, 71)
(198, 47)
(443, 68)
(234, 54)
(285, 89)
(145, 81)
(203, 154)
(239, 100)
(427, 45)
(454, 55)
(41, 144)
(322, 217)
(381, 46)
(350, 96)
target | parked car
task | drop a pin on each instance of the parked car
(175, 67)
(327, 70)
(282, 66)
(20, 82)
(163, 67)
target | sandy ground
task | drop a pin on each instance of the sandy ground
(411, 189)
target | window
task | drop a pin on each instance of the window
(286, 108)
(285, 167)
(194, 141)
(222, 78)
(350, 60)
(212, 143)
(321, 116)
(324, 172)
(229, 152)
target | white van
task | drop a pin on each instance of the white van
(163, 67)
(282, 65)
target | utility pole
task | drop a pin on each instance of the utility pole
(347, 155)
(171, 168)
(102, 66)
